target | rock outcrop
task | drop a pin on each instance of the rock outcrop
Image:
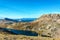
(47, 25)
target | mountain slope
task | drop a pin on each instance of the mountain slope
(48, 25)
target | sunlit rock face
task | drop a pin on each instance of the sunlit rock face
(48, 25)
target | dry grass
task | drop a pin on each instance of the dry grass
(22, 37)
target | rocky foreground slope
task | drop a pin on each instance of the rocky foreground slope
(48, 25)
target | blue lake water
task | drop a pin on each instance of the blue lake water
(19, 32)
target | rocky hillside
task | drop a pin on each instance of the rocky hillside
(47, 25)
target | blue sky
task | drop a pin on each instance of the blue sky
(28, 8)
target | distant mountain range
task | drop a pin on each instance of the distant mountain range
(26, 19)
(19, 20)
